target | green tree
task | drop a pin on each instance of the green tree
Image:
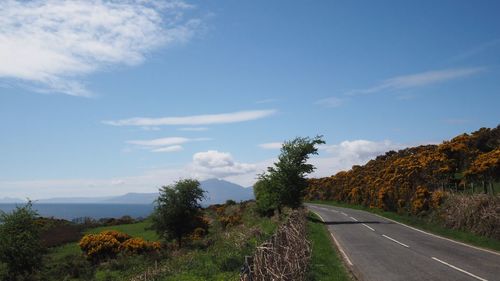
(20, 247)
(177, 210)
(265, 196)
(285, 183)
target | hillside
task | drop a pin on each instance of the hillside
(412, 180)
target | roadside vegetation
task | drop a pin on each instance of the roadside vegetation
(326, 263)
(450, 189)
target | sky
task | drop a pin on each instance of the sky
(101, 97)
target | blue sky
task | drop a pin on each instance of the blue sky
(101, 98)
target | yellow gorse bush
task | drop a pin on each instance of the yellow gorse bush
(108, 244)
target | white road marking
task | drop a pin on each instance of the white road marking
(459, 269)
(344, 214)
(394, 240)
(368, 227)
(353, 219)
(341, 250)
(440, 237)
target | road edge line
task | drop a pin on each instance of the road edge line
(459, 269)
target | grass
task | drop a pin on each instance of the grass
(458, 235)
(326, 263)
(140, 229)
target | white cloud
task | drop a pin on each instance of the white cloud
(195, 120)
(271, 145)
(419, 79)
(193, 129)
(217, 164)
(205, 165)
(170, 144)
(330, 102)
(51, 45)
(172, 148)
(344, 155)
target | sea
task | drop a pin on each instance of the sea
(77, 210)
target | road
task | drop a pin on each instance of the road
(379, 249)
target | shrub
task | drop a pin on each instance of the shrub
(70, 266)
(475, 213)
(20, 247)
(420, 201)
(138, 246)
(99, 246)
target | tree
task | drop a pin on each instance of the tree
(20, 246)
(285, 183)
(177, 210)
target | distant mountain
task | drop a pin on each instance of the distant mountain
(217, 191)
(133, 198)
(11, 200)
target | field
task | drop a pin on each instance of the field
(218, 256)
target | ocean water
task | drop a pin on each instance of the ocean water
(96, 211)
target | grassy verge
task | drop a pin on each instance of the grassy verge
(326, 263)
(426, 225)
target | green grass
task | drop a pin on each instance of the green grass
(140, 229)
(458, 235)
(326, 263)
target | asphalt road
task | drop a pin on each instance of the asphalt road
(379, 249)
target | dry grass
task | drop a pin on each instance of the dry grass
(285, 256)
(479, 214)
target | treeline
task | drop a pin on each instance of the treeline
(414, 180)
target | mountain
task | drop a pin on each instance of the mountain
(217, 191)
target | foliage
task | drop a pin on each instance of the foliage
(138, 246)
(69, 266)
(109, 243)
(98, 247)
(219, 255)
(265, 196)
(56, 232)
(177, 210)
(20, 246)
(284, 184)
(412, 180)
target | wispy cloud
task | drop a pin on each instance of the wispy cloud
(50, 46)
(195, 120)
(193, 129)
(170, 144)
(419, 80)
(266, 101)
(476, 50)
(172, 148)
(330, 102)
(271, 145)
